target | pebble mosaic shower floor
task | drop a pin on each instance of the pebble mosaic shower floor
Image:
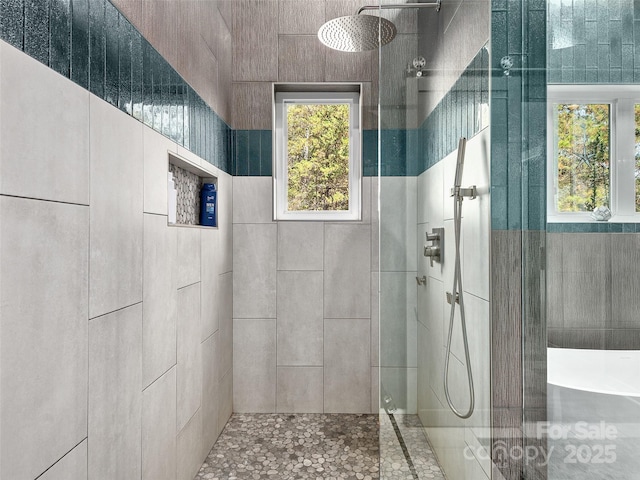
(317, 446)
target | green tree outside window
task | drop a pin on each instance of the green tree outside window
(318, 157)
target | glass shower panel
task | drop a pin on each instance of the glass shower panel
(591, 425)
(427, 101)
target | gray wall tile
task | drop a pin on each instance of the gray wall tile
(44, 267)
(347, 268)
(300, 58)
(225, 313)
(115, 395)
(255, 40)
(348, 67)
(210, 266)
(225, 221)
(156, 159)
(73, 466)
(189, 353)
(300, 319)
(300, 245)
(347, 371)
(188, 262)
(226, 400)
(625, 280)
(254, 366)
(210, 392)
(116, 209)
(506, 314)
(398, 209)
(587, 299)
(132, 9)
(621, 339)
(189, 449)
(296, 17)
(299, 390)
(159, 27)
(254, 270)
(252, 105)
(398, 319)
(58, 155)
(253, 200)
(159, 428)
(159, 306)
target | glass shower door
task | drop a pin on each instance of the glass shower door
(425, 105)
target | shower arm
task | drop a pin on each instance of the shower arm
(437, 4)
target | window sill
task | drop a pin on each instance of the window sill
(586, 218)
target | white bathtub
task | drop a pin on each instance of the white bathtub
(614, 372)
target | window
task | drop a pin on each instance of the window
(317, 166)
(594, 152)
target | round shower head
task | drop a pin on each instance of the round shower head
(357, 33)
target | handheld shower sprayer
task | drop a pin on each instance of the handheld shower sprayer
(456, 296)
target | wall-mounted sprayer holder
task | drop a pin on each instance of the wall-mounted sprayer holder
(471, 192)
(421, 280)
(435, 251)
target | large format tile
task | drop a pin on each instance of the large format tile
(225, 221)
(398, 319)
(300, 17)
(210, 392)
(44, 144)
(226, 400)
(300, 245)
(398, 214)
(159, 306)
(189, 353)
(300, 320)
(188, 260)
(300, 58)
(254, 270)
(210, 271)
(115, 395)
(252, 200)
(347, 371)
(252, 105)
(44, 272)
(625, 280)
(116, 209)
(299, 390)
(190, 448)
(159, 428)
(255, 41)
(73, 466)
(254, 365)
(156, 167)
(347, 260)
(225, 314)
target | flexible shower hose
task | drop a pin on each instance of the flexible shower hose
(456, 293)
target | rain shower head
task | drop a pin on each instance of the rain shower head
(361, 33)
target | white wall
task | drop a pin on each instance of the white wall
(115, 328)
(451, 437)
(304, 339)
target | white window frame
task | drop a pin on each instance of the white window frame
(280, 170)
(622, 100)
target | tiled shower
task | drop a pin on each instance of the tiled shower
(127, 343)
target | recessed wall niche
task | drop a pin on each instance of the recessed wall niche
(188, 179)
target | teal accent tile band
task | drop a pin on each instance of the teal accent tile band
(593, 42)
(518, 115)
(458, 114)
(92, 44)
(253, 152)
